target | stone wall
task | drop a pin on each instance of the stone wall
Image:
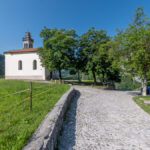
(45, 137)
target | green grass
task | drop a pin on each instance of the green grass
(17, 123)
(140, 101)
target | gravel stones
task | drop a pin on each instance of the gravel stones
(105, 120)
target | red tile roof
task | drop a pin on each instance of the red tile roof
(21, 50)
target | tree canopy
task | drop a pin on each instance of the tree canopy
(96, 53)
(89, 47)
(58, 48)
(94, 50)
(134, 47)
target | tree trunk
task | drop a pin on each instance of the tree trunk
(82, 76)
(144, 86)
(134, 82)
(103, 74)
(51, 75)
(94, 77)
(79, 76)
(60, 79)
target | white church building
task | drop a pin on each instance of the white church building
(24, 64)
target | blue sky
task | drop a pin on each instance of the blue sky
(19, 16)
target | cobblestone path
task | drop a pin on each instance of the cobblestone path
(105, 120)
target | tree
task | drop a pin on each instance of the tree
(135, 47)
(89, 46)
(107, 68)
(46, 34)
(58, 49)
(80, 63)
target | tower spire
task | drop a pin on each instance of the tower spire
(27, 41)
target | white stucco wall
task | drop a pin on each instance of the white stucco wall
(27, 72)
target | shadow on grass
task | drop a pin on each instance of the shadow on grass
(98, 85)
(83, 83)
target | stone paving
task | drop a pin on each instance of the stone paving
(105, 120)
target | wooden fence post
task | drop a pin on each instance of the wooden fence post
(30, 96)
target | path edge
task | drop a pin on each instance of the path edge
(45, 136)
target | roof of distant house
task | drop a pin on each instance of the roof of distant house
(24, 50)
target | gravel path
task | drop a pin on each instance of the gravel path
(105, 120)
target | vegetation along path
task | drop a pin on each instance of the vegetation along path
(105, 120)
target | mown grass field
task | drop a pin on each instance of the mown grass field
(140, 101)
(17, 123)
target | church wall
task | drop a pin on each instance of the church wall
(27, 72)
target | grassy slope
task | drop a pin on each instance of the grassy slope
(17, 123)
(140, 101)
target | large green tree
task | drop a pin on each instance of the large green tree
(134, 47)
(45, 34)
(58, 49)
(89, 47)
(107, 68)
(80, 62)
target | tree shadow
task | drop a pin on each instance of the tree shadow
(134, 93)
(66, 139)
(83, 83)
(131, 92)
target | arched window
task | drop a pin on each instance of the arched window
(34, 64)
(19, 65)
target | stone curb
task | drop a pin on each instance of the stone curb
(45, 137)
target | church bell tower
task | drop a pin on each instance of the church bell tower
(27, 41)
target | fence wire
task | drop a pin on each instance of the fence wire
(22, 91)
(11, 105)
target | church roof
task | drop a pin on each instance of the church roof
(24, 50)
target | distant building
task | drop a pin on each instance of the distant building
(24, 63)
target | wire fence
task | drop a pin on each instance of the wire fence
(29, 97)
(18, 92)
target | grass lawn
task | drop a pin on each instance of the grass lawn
(17, 123)
(140, 101)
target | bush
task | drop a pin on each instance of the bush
(127, 83)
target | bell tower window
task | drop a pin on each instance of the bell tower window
(27, 41)
(25, 45)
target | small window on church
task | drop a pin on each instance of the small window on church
(19, 65)
(25, 45)
(34, 64)
(30, 46)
